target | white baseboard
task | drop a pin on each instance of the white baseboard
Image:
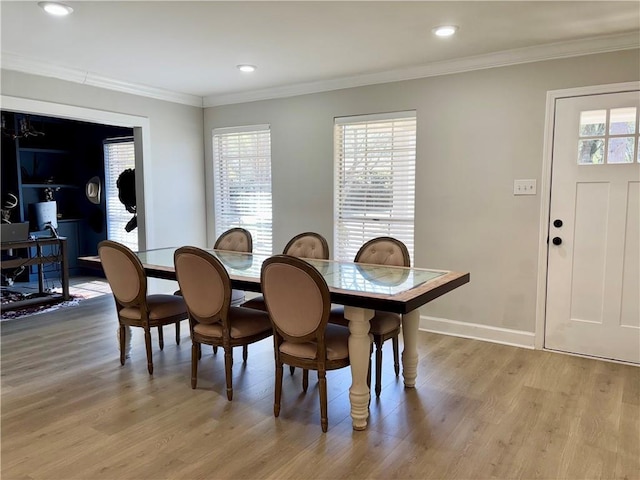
(505, 336)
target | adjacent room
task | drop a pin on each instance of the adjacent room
(451, 189)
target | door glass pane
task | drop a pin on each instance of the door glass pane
(623, 121)
(620, 150)
(590, 151)
(592, 123)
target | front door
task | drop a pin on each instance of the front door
(593, 285)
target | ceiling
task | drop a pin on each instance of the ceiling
(188, 51)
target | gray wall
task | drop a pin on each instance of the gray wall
(477, 132)
(175, 168)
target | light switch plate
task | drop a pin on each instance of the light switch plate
(524, 187)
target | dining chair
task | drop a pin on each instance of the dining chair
(235, 240)
(304, 245)
(206, 289)
(298, 301)
(134, 306)
(384, 325)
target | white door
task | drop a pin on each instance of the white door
(593, 286)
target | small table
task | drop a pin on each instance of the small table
(361, 288)
(61, 257)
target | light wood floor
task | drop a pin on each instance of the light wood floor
(480, 411)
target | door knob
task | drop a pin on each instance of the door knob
(557, 223)
(556, 240)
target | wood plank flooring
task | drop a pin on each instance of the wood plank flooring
(479, 411)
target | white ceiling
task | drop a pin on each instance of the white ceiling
(188, 51)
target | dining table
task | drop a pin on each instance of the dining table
(362, 289)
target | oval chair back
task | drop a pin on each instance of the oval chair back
(308, 245)
(384, 251)
(204, 283)
(124, 272)
(235, 240)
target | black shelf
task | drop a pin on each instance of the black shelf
(49, 185)
(44, 150)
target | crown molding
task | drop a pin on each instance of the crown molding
(10, 61)
(552, 51)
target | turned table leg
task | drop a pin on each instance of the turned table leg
(410, 324)
(359, 353)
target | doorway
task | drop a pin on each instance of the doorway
(141, 137)
(592, 305)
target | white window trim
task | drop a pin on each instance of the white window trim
(262, 236)
(117, 215)
(391, 224)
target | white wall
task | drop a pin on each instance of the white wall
(174, 168)
(477, 132)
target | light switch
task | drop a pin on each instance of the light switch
(524, 187)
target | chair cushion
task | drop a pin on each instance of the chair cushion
(256, 303)
(160, 306)
(381, 323)
(336, 341)
(244, 322)
(384, 322)
(237, 297)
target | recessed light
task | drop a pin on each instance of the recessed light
(445, 30)
(55, 8)
(246, 68)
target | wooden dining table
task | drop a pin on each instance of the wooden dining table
(361, 288)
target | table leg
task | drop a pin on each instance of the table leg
(40, 269)
(359, 354)
(410, 324)
(64, 275)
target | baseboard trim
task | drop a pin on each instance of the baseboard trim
(504, 336)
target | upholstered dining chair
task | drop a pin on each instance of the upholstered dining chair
(134, 307)
(234, 240)
(298, 301)
(384, 325)
(206, 289)
(304, 245)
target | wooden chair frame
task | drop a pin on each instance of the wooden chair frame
(321, 364)
(226, 341)
(138, 301)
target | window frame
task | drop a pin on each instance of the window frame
(118, 217)
(260, 219)
(400, 221)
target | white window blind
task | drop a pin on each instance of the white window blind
(242, 182)
(119, 154)
(375, 157)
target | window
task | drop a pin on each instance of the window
(119, 154)
(375, 157)
(242, 182)
(608, 136)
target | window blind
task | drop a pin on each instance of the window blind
(375, 158)
(119, 154)
(242, 182)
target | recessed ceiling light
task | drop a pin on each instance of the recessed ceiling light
(247, 68)
(55, 8)
(445, 30)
